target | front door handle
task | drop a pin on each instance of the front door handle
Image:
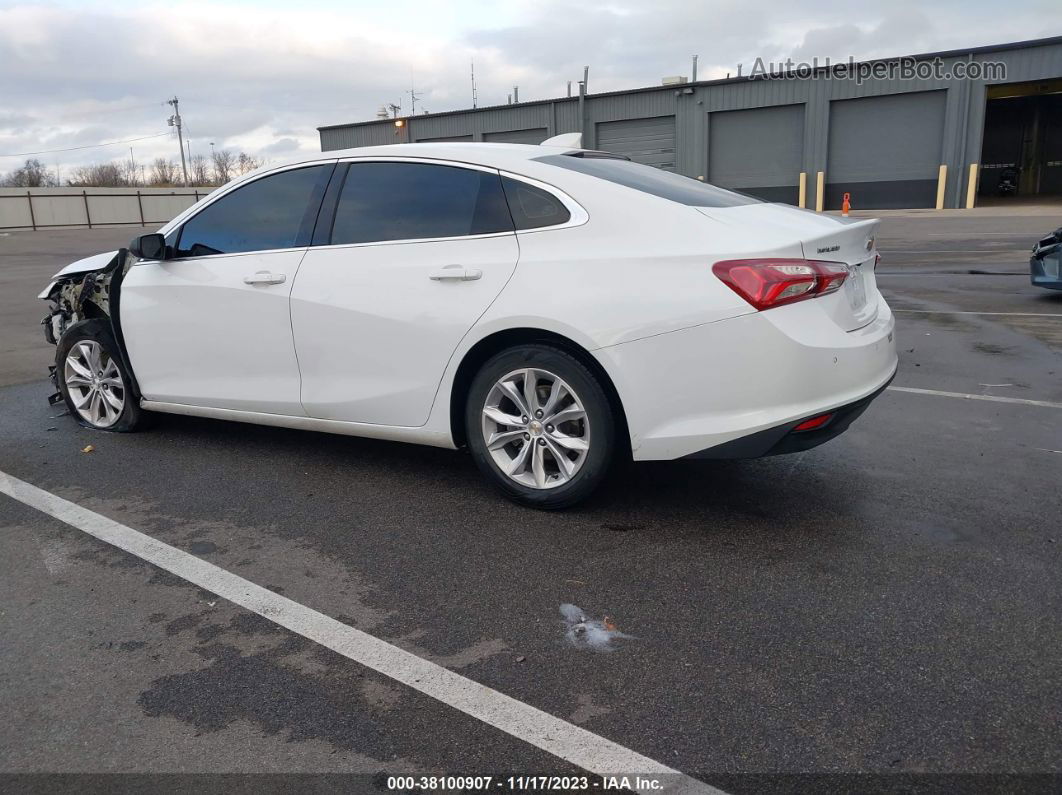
(265, 277)
(455, 273)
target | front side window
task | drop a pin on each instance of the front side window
(268, 213)
(416, 201)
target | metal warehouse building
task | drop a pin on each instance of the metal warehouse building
(888, 140)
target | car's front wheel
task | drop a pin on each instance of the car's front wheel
(540, 426)
(93, 380)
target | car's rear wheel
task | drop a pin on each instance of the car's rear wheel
(540, 426)
(93, 380)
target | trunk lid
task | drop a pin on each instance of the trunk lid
(826, 238)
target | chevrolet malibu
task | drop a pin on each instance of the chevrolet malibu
(549, 308)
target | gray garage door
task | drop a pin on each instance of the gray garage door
(649, 141)
(533, 136)
(452, 138)
(758, 151)
(885, 151)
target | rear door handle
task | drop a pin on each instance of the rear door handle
(265, 277)
(455, 273)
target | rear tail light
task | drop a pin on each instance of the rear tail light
(766, 283)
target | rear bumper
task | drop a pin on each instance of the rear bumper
(737, 388)
(783, 439)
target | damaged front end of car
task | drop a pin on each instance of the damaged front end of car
(75, 295)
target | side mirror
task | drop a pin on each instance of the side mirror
(151, 246)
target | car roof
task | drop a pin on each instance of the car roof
(496, 155)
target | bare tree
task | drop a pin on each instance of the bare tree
(199, 171)
(224, 166)
(163, 172)
(32, 174)
(101, 175)
(246, 163)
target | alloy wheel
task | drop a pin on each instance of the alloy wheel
(535, 428)
(95, 384)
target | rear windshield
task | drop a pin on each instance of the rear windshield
(651, 180)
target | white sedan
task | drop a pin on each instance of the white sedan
(552, 309)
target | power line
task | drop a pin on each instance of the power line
(88, 146)
(105, 111)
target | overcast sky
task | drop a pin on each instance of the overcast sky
(261, 76)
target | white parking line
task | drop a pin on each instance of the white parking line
(957, 312)
(967, 396)
(888, 252)
(542, 730)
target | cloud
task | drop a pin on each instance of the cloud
(263, 76)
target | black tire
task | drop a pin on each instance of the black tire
(599, 414)
(131, 417)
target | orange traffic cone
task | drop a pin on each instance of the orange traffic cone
(846, 204)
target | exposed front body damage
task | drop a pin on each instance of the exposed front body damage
(77, 295)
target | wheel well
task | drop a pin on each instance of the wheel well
(499, 341)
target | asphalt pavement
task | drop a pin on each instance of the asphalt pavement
(885, 604)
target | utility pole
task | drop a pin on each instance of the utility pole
(413, 97)
(175, 121)
(473, 82)
(582, 107)
(132, 165)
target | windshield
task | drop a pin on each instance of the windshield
(651, 180)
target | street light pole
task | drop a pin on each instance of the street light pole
(175, 121)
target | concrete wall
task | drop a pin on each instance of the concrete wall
(952, 131)
(49, 208)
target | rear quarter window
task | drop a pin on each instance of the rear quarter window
(533, 208)
(653, 181)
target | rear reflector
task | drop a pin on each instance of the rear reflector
(813, 423)
(767, 283)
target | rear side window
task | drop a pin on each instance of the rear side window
(532, 207)
(647, 179)
(265, 214)
(414, 201)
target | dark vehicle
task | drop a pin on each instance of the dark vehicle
(1044, 263)
(1008, 182)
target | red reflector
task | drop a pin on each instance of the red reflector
(814, 422)
(766, 283)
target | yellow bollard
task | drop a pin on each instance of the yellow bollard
(971, 189)
(942, 177)
(803, 195)
(820, 189)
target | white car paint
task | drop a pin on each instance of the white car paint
(93, 263)
(197, 334)
(386, 292)
(379, 343)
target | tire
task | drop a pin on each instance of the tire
(530, 446)
(93, 394)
